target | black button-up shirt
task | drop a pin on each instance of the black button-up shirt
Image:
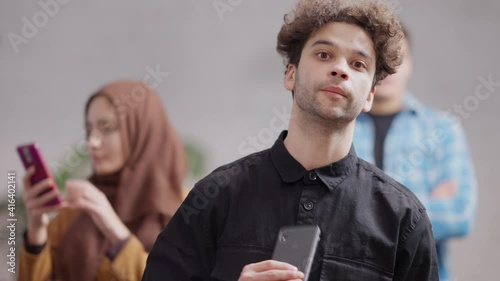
(372, 228)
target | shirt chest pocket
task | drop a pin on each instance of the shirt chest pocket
(230, 260)
(341, 269)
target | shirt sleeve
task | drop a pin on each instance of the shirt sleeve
(34, 267)
(185, 249)
(128, 264)
(30, 248)
(454, 217)
(416, 258)
(38, 265)
(116, 249)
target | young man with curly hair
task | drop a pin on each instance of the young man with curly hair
(372, 227)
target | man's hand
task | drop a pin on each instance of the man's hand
(270, 270)
(445, 190)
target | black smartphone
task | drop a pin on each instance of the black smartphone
(296, 245)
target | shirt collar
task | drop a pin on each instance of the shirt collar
(291, 170)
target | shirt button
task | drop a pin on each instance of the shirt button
(313, 176)
(308, 205)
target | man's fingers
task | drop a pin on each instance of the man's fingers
(282, 275)
(270, 270)
(269, 265)
(273, 275)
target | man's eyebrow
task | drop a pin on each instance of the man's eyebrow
(333, 45)
(363, 54)
(324, 42)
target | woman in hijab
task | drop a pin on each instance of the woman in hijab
(107, 224)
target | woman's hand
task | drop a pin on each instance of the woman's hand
(36, 208)
(83, 195)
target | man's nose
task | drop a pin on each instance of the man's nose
(339, 70)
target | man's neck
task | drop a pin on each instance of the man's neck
(387, 106)
(314, 146)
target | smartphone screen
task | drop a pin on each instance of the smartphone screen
(30, 155)
(296, 245)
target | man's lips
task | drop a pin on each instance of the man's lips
(334, 91)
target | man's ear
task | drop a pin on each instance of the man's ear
(369, 99)
(290, 77)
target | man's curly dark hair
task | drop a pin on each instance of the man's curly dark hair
(376, 17)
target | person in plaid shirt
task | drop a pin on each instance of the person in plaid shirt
(424, 149)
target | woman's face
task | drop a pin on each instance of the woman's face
(103, 137)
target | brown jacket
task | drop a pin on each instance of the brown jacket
(129, 264)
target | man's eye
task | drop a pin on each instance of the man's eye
(323, 55)
(359, 64)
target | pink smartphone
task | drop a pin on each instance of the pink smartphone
(31, 155)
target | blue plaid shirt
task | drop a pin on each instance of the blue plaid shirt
(424, 148)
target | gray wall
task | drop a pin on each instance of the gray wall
(224, 81)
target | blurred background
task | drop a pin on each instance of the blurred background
(215, 66)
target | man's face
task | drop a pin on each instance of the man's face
(394, 86)
(333, 81)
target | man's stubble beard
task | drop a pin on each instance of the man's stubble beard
(313, 111)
